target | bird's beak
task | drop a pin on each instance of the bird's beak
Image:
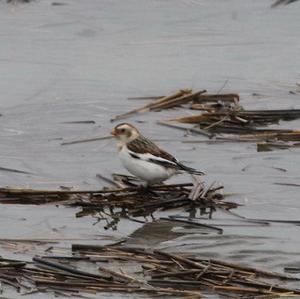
(113, 132)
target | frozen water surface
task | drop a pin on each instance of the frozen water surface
(80, 61)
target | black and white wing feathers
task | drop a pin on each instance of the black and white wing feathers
(144, 149)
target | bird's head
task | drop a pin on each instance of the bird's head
(125, 132)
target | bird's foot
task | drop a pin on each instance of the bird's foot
(146, 189)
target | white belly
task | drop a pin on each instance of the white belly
(146, 171)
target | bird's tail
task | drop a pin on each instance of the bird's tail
(190, 170)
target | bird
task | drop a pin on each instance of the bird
(144, 159)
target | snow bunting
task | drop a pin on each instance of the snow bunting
(144, 159)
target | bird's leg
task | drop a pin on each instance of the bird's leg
(143, 188)
(146, 189)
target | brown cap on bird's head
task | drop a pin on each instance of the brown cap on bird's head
(125, 131)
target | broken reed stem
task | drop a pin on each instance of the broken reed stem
(149, 106)
(86, 140)
(224, 97)
(178, 98)
(178, 94)
(180, 259)
(10, 191)
(123, 277)
(167, 271)
(250, 269)
(224, 116)
(110, 205)
(64, 268)
(176, 101)
(171, 124)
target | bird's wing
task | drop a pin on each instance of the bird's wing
(142, 145)
(144, 149)
(153, 159)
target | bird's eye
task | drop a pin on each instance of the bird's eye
(123, 130)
